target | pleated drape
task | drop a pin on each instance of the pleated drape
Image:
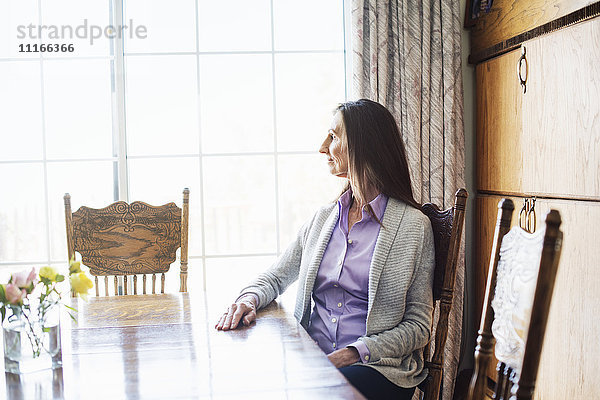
(407, 56)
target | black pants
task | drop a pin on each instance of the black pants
(373, 385)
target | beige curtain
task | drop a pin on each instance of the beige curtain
(407, 56)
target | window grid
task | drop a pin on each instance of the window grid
(232, 52)
(200, 159)
(118, 104)
(120, 157)
(45, 164)
(275, 158)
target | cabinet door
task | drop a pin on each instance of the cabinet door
(561, 113)
(571, 357)
(499, 149)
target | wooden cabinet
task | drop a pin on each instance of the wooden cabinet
(545, 142)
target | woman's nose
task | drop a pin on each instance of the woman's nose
(324, 146)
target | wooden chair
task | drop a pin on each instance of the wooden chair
(447, 232)
(129, 240)
(519, 288)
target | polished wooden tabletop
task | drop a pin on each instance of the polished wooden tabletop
(166, 347)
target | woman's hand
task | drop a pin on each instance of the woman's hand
(243, 310)
(344, 357)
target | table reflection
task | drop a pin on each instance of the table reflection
(41, 385)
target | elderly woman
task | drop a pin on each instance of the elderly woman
(364, 264)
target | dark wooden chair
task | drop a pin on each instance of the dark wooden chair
(447, 233)
(519, 289)
(129, 240)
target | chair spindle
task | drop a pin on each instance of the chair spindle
(162, 283)
(510, 382)
(185, 213)
(135, 284)
(499, 381)
(96, 283)
(153, 283)
(144, 282)
(125, 284)
(505, 389)
(116, 286)
(106, 285)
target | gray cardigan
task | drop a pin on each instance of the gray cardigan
(400, 302)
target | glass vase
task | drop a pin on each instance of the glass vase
(32, 345)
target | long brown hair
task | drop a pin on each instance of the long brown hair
(376, 153)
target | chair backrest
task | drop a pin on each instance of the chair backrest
(129, 240)
(519, 289)
(447, 228)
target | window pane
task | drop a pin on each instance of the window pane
(81, 23)
(225, 277)
(308, 25)
(307, 85)
(161, 181)
(88, 183)
(13, 14)
(170, 25)
(236, 103)
(22, 213)
(78, 108)
(313, 187)
(234, 25)
(195, 275)
(162, 105)
(239, 195)
(21, 126)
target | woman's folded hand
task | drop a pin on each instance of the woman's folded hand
(344, 357)
(242, 312)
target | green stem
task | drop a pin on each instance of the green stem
(33, 338)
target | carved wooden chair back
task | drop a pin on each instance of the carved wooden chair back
(447, 228)
(128, 240)
(519, 289)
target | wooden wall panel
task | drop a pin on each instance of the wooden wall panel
(509, 18)
(571, 356)
(499, 125)
(561, 113)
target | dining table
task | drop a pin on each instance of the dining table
(165, 346)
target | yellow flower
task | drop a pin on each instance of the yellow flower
(74, 266)
(48, 273)
(80, 283)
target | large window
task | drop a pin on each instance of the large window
(229, 98)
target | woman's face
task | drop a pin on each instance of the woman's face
(335, 148)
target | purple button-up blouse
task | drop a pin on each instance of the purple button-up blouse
(341, 290)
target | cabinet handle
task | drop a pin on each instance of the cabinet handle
(523, 215)
(527, 217)
(523, 61)
(531, 217)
